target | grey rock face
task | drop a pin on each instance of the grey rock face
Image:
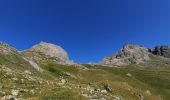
(52, 51)
(161, 51)
(130, 54)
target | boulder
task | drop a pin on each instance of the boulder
(27, 72)
(15, 92)
(129, 75)
(118, 98)
(32, 91)
(148, 92)
(63, 81)
(107, 87)
(11, 97)
(104, 91)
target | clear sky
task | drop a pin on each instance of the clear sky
(87, 29)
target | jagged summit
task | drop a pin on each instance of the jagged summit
(136, 54)
(129, 54)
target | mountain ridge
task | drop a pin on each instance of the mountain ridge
(131, 51)
(40, 74)
(135, 54)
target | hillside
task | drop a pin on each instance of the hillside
(56, 79)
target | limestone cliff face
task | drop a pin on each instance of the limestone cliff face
(44, 52)
(129, 54)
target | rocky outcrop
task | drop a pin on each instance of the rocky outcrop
(7, 49)
(161, 51)
(50, 50)
(129, 54)
(47, 52)
(135, 54)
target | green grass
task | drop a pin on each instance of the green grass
(9, 84)
(61, 94)
(15, 61)
(153, 79)
(156, 80)
(59, 70)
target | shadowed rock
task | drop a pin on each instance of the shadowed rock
(161, 51)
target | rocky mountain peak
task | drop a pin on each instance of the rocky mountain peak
(133, 49)
(53, 51)
(129, 54)
(50, 50)
(130, 47)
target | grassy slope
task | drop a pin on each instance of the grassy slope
(15, 61)
(156, 80)
(38, 83)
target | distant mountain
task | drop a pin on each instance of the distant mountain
(135, 54)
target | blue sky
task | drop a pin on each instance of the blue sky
(87, 29)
